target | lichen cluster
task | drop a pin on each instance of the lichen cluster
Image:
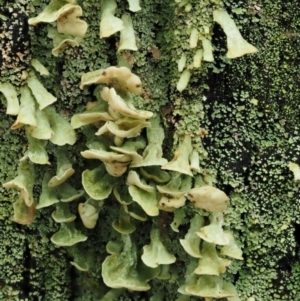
(117, 212)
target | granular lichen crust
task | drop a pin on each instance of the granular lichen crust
(15, 40)
(242, 116)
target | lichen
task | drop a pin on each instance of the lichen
(241, 115)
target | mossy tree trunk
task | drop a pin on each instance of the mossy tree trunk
(242, 114)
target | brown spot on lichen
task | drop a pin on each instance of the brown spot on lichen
(155, 52)
(128, 57)
(167, 110)
(203, 132)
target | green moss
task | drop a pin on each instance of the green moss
(247, 146)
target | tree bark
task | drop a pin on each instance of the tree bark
(241, 113)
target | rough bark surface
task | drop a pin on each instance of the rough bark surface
(243, 114)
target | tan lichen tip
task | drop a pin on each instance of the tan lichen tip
(69, 22)
(295, 169)
(23, 214)
(209, 198)
(13, 105)
(109, 24)
(134, 5)
(237, 46)
(120, 105)
(127, 36)
(39, 67)
(54, 11)
(62, 41)
(119, 78)
(61, 178)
